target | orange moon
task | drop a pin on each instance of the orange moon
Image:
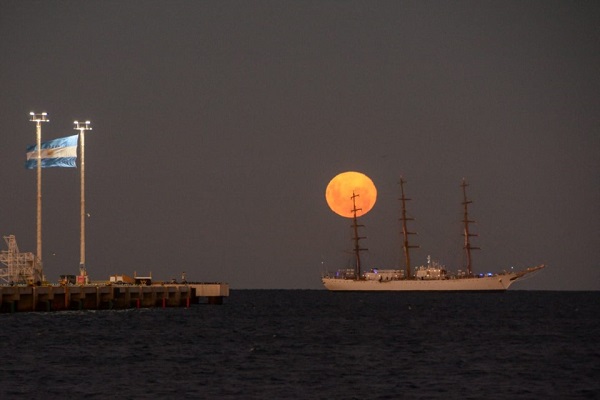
(340, 189)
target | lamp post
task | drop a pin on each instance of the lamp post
(82, 127)
(38, 119)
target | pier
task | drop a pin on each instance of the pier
(108, 297)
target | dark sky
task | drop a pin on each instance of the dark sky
(217, 126)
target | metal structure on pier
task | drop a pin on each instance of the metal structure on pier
(19, 268)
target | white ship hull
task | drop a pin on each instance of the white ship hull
(498, 282)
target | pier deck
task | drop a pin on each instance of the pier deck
(106, 297)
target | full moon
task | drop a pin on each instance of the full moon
(340, 189)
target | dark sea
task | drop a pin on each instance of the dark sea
(312, 344)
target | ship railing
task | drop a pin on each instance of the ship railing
(340, 274)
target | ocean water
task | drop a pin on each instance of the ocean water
(313, 344)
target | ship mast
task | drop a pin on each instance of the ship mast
(466, 221)
(356, 238)
(405, 231)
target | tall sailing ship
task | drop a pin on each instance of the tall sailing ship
(430, 277)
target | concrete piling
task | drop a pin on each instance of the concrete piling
(98, 297)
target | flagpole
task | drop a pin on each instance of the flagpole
(38, 119)
(82, 127)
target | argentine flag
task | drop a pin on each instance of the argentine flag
(61, 152)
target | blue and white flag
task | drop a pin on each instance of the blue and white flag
(61, 152)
